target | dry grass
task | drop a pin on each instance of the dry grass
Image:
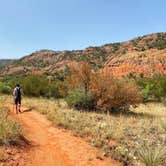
(120, 136)
(152, 155)
(9, 129)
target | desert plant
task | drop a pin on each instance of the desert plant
(9, 129)
(80, 99)
(114, 93)
(35, 85)
(62, 87)
(151, 155)
(153, 88)
(109, 93)
(4, 88)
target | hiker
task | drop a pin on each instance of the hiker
(17, 93)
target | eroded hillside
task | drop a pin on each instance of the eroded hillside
(143, 55)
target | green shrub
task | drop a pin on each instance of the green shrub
(11, 81)
(5, 89)
(35, 86)
(147, 91)
(79, 99)
(53, 90)
(153, 88)
(62, 88)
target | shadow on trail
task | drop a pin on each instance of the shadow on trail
(23, 142)
(27, 110)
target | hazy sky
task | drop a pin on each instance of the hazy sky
(29, 25)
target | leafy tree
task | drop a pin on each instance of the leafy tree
(35, 85)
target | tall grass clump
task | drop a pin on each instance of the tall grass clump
(152, 155)
(9, 129)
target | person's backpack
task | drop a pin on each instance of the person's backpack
(18, 92)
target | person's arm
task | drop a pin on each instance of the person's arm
(14, 92)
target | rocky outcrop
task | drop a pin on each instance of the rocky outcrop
(144, 63)
(141, 56)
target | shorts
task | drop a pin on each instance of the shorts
(17, 100)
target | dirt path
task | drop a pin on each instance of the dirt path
(53, 146)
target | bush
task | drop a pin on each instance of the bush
(111, 93)
(62, 88)
(35, 86)
(153, 88)
(5, 89)
(108, 93)
(52, 90)
(79, 99)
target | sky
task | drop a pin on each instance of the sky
(30, 25)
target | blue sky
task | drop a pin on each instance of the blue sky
(30, 25)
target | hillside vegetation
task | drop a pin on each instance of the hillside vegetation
(145, 55)
(84, 88)
(5, 62)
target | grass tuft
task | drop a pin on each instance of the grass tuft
(152, 155)
(9, 130)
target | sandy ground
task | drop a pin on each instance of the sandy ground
(53, 146)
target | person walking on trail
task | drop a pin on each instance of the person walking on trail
(17, 93)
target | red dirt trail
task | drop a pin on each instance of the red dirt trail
(53, 146)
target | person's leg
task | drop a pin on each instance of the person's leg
(15, 102)
(19, 105)
(16, 109)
